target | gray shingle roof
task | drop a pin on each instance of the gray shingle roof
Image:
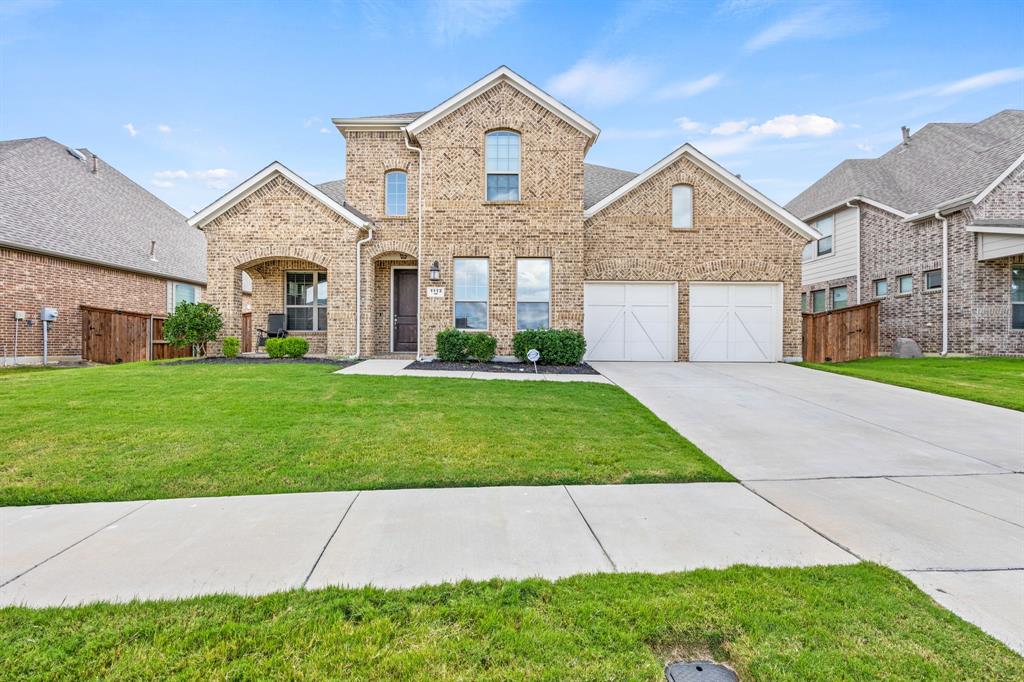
(51, 202)
(408, 116)
(943, 161)
(598, 182)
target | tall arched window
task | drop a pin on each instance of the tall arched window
(502, 154)
(682, 206)
(395, 194)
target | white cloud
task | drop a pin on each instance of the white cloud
(164, 128)
(601, 83)
(689, 125)
(730, 127)
(324, 130)
(688, 88)
(163, 183)
(171, 175)
(816, 21)
(979, 81)
(743, 6)
(865, 147)
(131, 129)
(792, 125)
(214, 178)
(311, 121)
(452, 19)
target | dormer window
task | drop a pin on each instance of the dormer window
(502, 157)
(395, 193)
(682, 206)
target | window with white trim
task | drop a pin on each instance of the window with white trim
(305, 301)
(933, 279)
(840, 298)
(825, 227)
(682, 206)
(881, 288)
(502, 161)
(471, 288)
(533, 293)
(1017, 297)
(395, 193)
(183, 292)
(904, 284)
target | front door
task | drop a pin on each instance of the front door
(403, 310)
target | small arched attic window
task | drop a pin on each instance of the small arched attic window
(395, 193)
(502, 158)
(682, 206)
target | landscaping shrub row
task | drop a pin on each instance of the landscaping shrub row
(556, 346)
(290, 346)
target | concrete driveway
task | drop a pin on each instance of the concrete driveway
(926, 484)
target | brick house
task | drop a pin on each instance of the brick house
(75, 232)
(482, 214)
(934, 229)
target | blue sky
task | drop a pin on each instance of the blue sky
(190, 98)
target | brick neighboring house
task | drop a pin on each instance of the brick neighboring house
(884, 221)
(76, 232)
(481, 214)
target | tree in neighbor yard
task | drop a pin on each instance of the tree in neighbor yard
(193, 324)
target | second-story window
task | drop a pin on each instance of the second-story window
(682, 206)
(502, 156)
(394, 201)
(825, 226)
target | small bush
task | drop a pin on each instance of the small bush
(275, 347)
(231, 346)
(556, 346)
(295, 346)
(192, 324)
(482, 346)
(452, 345)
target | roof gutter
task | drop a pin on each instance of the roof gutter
(359, 286)
(856, 207)
(945, 282)
(419, 238)
(945, 207)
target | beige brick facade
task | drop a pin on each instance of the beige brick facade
(733, 239)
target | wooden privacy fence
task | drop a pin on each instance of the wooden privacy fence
(113, 336)
(842, 335)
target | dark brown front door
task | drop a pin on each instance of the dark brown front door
(403, 311)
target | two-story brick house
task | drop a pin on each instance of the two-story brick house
(482, 214)
(934, 229)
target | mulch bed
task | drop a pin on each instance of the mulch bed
(503, 367)
(263, 361)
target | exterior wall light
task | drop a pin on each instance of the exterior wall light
(435, 272)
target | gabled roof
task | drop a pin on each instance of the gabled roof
(600, 181)
(943, 164)
(717, 171)
(503, 74)
(264, 176)
(52, 203)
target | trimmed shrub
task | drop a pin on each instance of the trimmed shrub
(482, 346)
(452, 345)
(192, 324)
(231, 345)
(295, 346)
(275, 347)
(556, 346)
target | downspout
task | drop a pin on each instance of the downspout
(359, 286)
(945, 283)
(419, 240)
(849, 205)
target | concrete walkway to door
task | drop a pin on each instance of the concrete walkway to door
(926, 484)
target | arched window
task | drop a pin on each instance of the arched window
(502, 154)
(395, 200)
(682, 206)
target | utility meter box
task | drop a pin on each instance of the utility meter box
(19, 314)
(48, 315)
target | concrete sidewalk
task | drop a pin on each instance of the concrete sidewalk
(923, 483)
(397, 368)
(73, 554)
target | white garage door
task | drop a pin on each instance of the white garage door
(630, 321)
(735, 322)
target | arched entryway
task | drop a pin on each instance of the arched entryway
(391, 285)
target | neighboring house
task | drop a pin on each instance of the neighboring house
(884, 221)
(481, 214)
(76, 232)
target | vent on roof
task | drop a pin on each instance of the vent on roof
(77, 154)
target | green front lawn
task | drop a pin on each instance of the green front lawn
(825, 623)
(183, 429)
(996, 381)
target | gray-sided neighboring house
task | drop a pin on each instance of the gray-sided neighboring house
(76, 232)
(934, 229)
